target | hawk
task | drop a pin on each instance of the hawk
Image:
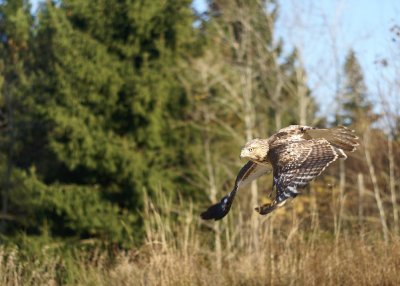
(295, 154)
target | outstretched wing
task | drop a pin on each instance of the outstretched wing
(295, 165)
(340, 137)
(247, 174)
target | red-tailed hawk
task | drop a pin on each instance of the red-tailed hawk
(296, 155)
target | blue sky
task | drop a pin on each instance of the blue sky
(325, 30)
(328, 29)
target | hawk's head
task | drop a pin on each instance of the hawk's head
(255, 150)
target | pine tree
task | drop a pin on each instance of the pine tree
(355, 108)
(15, 34)
(147, 38)
(107, 117)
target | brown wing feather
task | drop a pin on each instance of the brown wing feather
(295, 165)
(341, 137)
(321, 154)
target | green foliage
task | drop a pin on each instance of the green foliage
(105, 116)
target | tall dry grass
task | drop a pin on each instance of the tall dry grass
(179, 250)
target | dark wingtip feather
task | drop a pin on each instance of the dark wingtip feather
(214, 212)
(217, 211)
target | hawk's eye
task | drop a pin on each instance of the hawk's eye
(250, 149)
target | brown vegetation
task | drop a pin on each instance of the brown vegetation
(294, 249)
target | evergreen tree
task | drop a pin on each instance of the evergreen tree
(107, 116)
(355, 108)
(64, 136)
(15, 34)
(147, 38)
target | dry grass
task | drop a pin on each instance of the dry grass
(180, 251)
(17, 271)
(351, 262)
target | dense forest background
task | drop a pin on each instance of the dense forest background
(122, 120)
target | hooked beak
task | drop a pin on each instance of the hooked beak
(243, 153)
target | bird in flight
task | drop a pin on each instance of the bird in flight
(295, 154)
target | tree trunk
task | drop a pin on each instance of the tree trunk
(361, 193)
(393, 187)
(342, 186)
(302, 97)
(376, 187)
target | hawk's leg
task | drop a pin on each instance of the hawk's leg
(274, 179)
(280, 200)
